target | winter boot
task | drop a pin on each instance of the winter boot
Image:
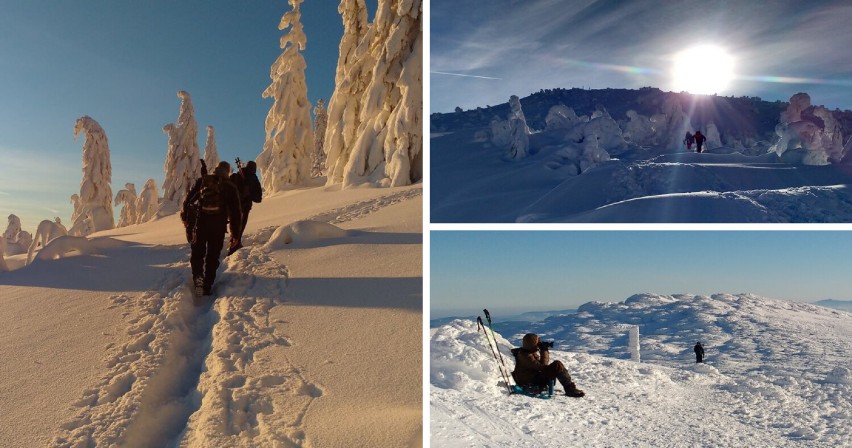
(572, 391)
(198, 286)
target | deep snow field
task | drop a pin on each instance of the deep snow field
(103, 346)
(777, 374)
(473, 181)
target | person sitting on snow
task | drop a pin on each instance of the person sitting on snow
(532, 367)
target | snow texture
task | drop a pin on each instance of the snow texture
(775, 374)
(127, 199)
(286, 157)
(211, 154)
(93, 212)
(147, 203)
(376, 109)
(320, 126)
(46, 232)
(183, 160)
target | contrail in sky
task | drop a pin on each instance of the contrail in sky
(466, 76)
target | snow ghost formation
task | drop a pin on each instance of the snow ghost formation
(16, 240)
(320, 125)
(376, 110)
(812, 130)
(211, 154)
(95, 200)
(47, 231)
(639, 129)
(127, 198)
(519, 131)
(183, 160)
(714, 140)
(147, 202)
(561, 117)
(286, 156)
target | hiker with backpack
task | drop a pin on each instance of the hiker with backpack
(250, 191)
(689, 140)
(218, 204)
(699, 141)
(532, 366)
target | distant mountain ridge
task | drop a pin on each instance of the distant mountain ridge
(735, 117)
(845, 305)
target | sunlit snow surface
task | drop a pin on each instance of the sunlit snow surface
(776, 374)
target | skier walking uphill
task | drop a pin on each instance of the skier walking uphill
(219, 204)
(689, 140)
(532, 366)
(699, 140)
(249, 189)
(699, 352)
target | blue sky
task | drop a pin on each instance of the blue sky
(779, 47)
(513, 271)
(122, 63)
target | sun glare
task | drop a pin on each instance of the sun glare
(703, 69)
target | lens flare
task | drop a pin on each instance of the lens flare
(703, 69)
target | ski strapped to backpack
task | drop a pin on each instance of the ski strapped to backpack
(503, 373)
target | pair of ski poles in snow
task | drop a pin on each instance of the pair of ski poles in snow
(495, 349)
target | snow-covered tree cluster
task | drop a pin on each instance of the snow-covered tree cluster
(320, 125)
(286, 156)
(16, 240)
(93, 206)
(375, 114)
(211, 153)
(127, 199)
(811, 132)
(183, 160)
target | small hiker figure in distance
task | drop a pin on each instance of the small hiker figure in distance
(699, 352)
(532, 366)
(218, 203)
(699, 141)
(248, 186)
(689, 140)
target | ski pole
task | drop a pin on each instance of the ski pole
(488, 316)
(481, 326)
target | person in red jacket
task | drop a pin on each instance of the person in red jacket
(532, 366)
(699, 140)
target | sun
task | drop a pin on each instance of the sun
(702, 69)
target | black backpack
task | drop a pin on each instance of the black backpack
(211, 194)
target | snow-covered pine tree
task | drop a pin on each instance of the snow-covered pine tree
(183, 161)
(127, 198)
(95, 212)
(286, 156)
(384, 76)
(147, 202)
(351, 78)
(211, 154)
(320, 125)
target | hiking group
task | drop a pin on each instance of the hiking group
(698, 139)
(217, 202)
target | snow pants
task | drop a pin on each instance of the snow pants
(555, 371)
(209, 240)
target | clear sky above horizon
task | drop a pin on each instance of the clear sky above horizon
(483, 52)
(122, 63)
(516, 271)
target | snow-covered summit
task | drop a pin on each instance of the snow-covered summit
(776, 374)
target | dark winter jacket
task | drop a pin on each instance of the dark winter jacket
(699, 138)
(529, 360)
(699, 350)
(231, 210)
(248, 186)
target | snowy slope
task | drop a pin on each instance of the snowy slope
(777, 374)
(472, 181)
(107, 349)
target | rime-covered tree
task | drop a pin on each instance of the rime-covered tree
(95, 212)
(183, 165)
(16, 239)
(147, 202)
(351, 77)
(320, 125)
(388, 136)
(211, 154)
(127, 198)
(286, 156)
